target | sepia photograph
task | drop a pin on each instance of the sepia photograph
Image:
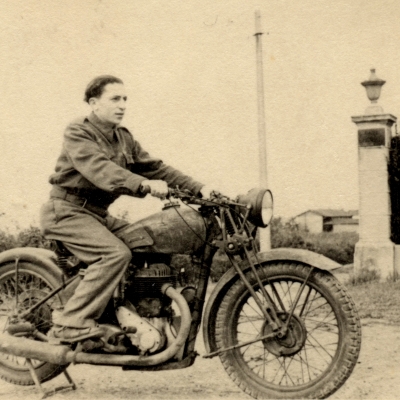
(200, 199)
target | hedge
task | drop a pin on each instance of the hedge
(337, 246)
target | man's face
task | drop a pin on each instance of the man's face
(110, 106)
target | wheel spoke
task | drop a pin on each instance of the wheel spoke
(320, 343)
(31, 289)
(286, 372)
(307, 305)
(255, 308)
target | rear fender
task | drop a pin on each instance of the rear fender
(41, 257)
(283, 254)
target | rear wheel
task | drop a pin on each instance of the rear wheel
(34, 283)
(317, 354)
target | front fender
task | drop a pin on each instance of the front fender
(299, 255)
(45, 258)
(306, 257)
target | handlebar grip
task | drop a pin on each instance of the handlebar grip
(145, 189)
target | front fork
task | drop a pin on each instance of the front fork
(268, 307)
(269, 311)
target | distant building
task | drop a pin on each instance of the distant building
(322, 220)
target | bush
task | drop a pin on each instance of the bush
(287, 234)
(30, 237)
(7, 241)
(189, 272)
(183, 266)
(220, 265)
(337, 246)
(365, 275)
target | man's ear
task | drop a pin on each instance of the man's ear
(93, 102)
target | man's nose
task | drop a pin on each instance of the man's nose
(122, 104)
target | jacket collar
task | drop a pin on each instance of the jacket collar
(106, 129)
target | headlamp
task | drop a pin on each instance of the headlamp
(261, 203)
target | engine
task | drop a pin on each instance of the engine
(147, 316)
(143, 289)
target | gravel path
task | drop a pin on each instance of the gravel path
(376, 376)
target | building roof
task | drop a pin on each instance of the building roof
(331, 213)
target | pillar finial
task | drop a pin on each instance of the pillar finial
(373, 86)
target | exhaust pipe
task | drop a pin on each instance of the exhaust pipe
(23, 347)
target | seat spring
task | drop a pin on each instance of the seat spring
(229, 227)
(62, 263)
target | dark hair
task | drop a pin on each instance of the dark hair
(95, 87)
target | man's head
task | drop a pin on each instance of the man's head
(107, 97)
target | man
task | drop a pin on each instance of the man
(100, 161)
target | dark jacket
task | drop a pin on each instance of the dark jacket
(101, 163)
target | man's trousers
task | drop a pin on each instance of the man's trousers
(93, 240)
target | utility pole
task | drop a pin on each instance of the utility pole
(265, 234)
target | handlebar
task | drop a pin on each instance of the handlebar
(190, 198)
(184, 195)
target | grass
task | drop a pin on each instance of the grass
(378, 300)
(375, 299)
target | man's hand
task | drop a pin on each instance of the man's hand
(156, 188)
(206, 191)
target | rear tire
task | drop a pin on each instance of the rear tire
(34, 283)
(318, 354)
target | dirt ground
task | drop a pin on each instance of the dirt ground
(376, 376)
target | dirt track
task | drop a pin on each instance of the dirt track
(376, 376)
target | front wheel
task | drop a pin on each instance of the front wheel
(319, 350)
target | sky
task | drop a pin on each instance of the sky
(189, 68)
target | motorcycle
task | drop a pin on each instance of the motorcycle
(280, 322)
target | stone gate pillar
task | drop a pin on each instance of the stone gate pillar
(374, 250)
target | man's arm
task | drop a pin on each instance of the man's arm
(151, 169)
(89, 159)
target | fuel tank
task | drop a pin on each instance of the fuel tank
(174, 230)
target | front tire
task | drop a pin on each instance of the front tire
(316, 356)
(34, 283)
